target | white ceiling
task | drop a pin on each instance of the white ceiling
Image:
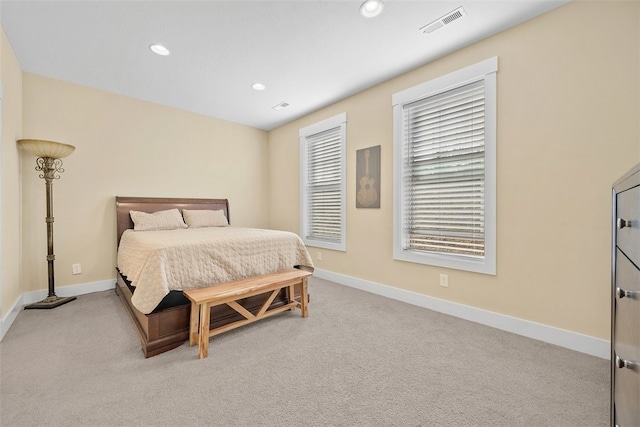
(308, 53)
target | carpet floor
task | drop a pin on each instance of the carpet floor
(359, 359)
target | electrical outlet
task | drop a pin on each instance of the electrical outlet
(444, 280)
(76, 269)
(319, 256)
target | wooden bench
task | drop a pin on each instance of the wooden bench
(229, 293)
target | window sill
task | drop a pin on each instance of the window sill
(325, 245)
(456, 262)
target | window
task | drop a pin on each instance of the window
(445, 169)
(322, 199)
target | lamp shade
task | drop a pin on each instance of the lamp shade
(42, 148)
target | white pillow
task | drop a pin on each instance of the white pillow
(160, 220)
(205, 218)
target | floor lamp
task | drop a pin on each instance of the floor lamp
(48, 162)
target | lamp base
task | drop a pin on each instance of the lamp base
(49, 302)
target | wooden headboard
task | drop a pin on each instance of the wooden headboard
(154, 204)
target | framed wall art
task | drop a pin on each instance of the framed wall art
(368, 177)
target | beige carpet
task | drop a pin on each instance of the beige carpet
(358, 360)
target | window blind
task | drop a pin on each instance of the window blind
(324, 185)
(443, 182)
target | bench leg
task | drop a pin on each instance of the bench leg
(193, 325)
(304, 298)
(291, 294)
(203, 339)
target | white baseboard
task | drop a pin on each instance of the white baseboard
(64, 291)
(561, 337)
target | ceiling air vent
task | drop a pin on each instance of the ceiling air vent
(444, 20)
(280, 106)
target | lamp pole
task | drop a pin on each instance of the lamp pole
(51, 168)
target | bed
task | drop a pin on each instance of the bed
(153, 295)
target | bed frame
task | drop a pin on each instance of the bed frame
(167, 328)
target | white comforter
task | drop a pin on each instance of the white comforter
(157, 262)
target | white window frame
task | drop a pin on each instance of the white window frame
(485, 70)
(339, 120)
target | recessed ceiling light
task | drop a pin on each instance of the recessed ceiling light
(159, 49)
(371, 8)
(258, 86)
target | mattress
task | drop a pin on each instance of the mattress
(157, 262)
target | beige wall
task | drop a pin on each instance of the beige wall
(11, 78)
(126, 147)
(568, 111)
